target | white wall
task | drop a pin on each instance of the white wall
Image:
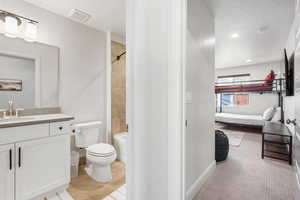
(82, 58)
(155, 63)
(289, 102)
(257, 103)
(118, 38)
(200, 153)
(18, 69)
(291, 40)
(290, 107)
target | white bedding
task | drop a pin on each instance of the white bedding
(254, 120)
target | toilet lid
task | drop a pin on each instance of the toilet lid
(101, 149)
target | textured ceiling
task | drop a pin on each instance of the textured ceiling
(246, 17)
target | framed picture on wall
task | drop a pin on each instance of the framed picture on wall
(10, 85)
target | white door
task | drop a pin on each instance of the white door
(297, 111)
(42, 165)
(7, 172)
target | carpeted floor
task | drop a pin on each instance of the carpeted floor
(245, 176)
(235, 138)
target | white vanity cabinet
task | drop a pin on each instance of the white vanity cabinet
(7, 174)
(33, 167)
(43, 165)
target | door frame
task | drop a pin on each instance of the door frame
(177, 117)
(109, 39)
(108, 132)
(176, 98)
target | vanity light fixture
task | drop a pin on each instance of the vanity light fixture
(13, 22)
(31, 32)
(248, 61)
(11, 26)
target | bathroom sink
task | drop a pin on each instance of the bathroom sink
(16, 119)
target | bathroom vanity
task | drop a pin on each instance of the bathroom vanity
(34, 144)
(34, 156)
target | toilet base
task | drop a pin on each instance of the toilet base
(99, 173)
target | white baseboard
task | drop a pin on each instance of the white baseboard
(297, 174)
(196, 187)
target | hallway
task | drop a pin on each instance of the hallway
(245, 176)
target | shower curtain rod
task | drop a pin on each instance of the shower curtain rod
(119, 57)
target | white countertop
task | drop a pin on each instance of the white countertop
(34, 119)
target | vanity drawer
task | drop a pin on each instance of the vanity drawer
(22, 133)
(60, 128)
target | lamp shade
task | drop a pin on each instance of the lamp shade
(31, 32)
(11, 26)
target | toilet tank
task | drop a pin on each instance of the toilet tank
(87, 134)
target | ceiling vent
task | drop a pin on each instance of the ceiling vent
(79, 16)
(262, 29)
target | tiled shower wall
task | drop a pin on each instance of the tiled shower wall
(118, 89)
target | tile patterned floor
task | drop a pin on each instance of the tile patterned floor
(85, 188)
(120, 194)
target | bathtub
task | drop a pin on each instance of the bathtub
(120, 142)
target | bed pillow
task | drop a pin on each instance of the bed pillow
(277, 115)
(270, 77)
(268, 114)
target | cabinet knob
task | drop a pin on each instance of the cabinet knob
(60, 128)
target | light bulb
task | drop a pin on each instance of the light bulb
(2, 26)
(31, 32)
(11, 26)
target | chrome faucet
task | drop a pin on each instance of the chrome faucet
(11, 108)
(11, 111)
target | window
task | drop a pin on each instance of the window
(227, 100)
(230, 100)
(241, 99)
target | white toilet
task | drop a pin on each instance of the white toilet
(99, 155)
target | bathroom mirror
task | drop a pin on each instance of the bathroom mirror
(29, 74)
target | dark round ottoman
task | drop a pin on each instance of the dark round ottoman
(222, 146)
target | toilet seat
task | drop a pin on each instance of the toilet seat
(101, 150)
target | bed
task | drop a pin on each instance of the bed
(269, 84)
(244, 88)
(248, 120)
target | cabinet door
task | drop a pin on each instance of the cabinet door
(42, 165)
(297, 109)
(7, 172)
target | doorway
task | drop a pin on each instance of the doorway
(118, 88)
(119, 131)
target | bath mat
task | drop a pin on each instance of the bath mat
(235, 138)
(119, 194)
